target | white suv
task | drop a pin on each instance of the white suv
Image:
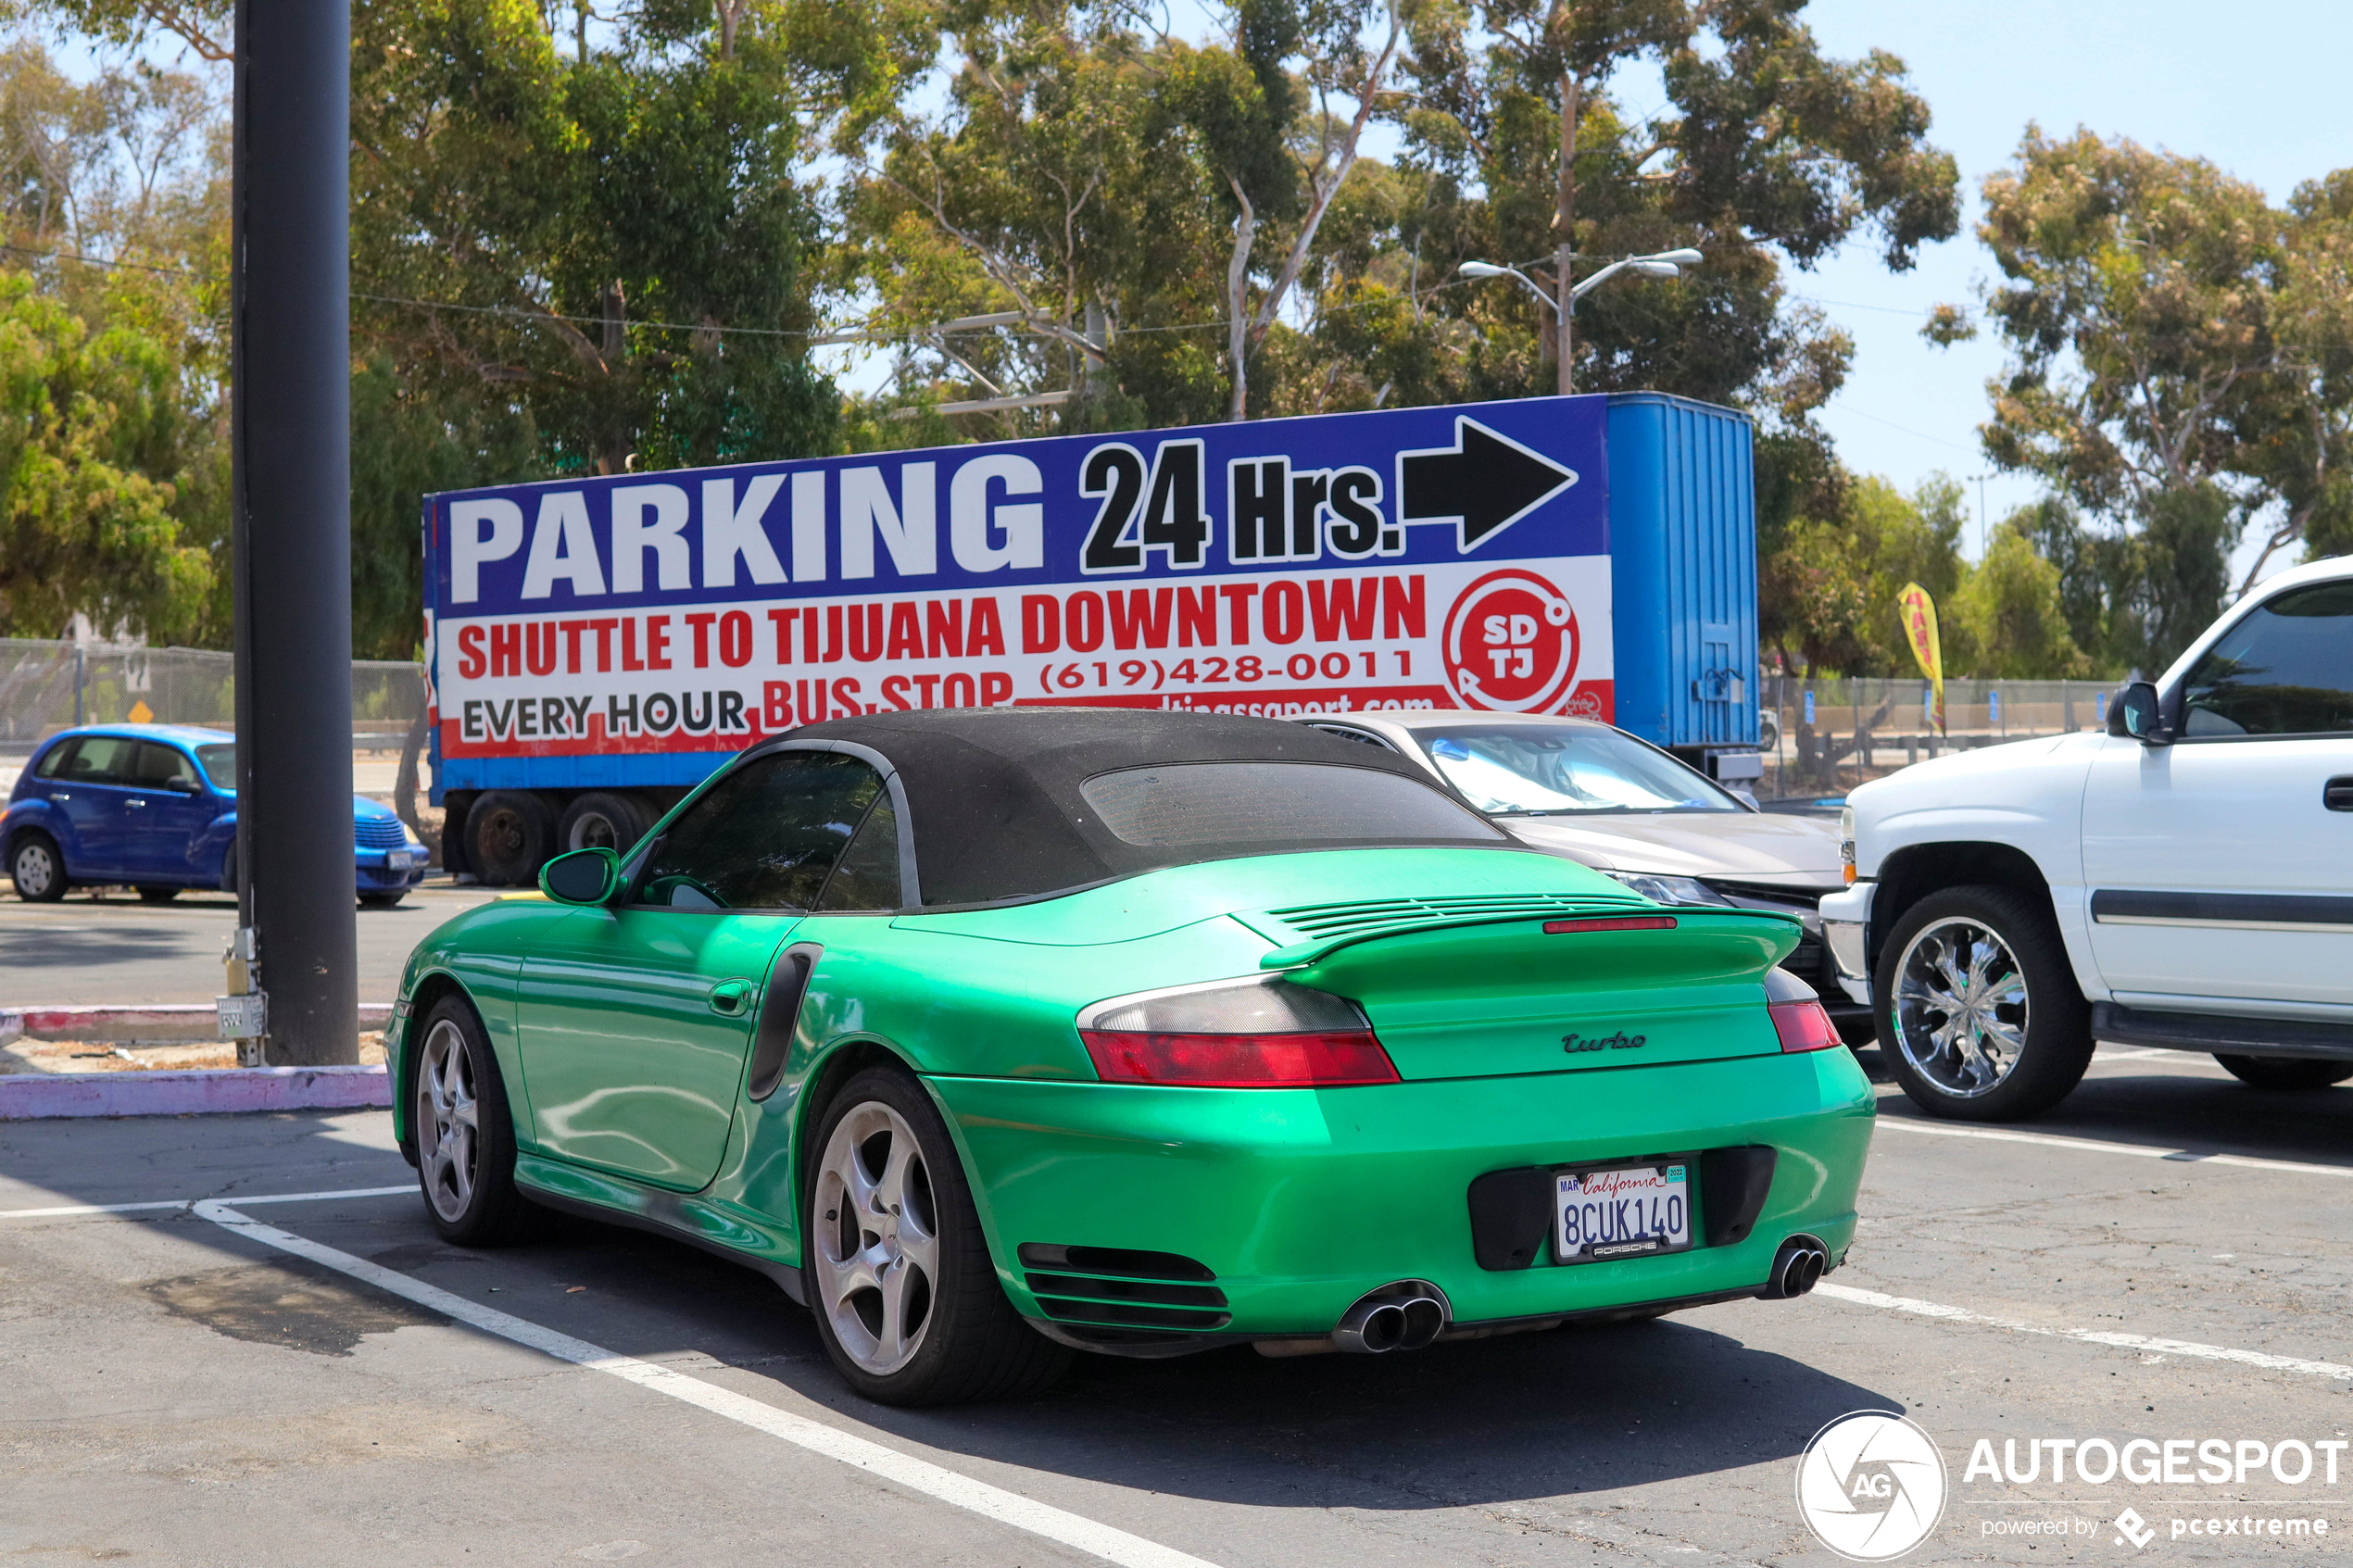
(2184, 880)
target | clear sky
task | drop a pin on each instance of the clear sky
(2258, 87)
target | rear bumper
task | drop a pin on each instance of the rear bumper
(1300, 1201)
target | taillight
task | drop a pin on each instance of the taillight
(1804, 1026)
(1613, 923)
(1256, 1034)
(1240, 1062)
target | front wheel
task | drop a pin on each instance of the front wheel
(1979, 1017)
(897, 1269)
(465, 1135)
(2285, 1072)
(37, 868)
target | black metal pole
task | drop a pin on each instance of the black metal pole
(291, 417)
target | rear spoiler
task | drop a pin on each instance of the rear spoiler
(1306, 934)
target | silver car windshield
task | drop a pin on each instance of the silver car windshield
(1515, 770)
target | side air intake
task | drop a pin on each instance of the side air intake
(1112, 1294)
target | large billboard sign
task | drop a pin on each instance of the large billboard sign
(1454, 556)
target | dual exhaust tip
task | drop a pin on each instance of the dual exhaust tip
(1797, 1268)
(1405, 1316)
(1410, 1314)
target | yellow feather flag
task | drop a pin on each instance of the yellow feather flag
(1919, 626)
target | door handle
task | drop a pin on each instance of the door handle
(729, 998)
(131, 804)
(2337, 794)
(61, 795)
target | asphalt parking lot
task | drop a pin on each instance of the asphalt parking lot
(105, 947)
(2164, 1257)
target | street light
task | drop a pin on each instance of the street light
(1660, 264)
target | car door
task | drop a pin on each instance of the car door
(635, 1019)
(2221, 867)
(88, 788)
(165, 812)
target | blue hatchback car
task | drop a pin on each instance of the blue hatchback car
(156, 806)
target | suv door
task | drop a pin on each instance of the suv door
(167, 812)
(635, 1020)
(2221, 867)
(88, 784)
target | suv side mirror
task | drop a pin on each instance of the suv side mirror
(2137, 716)
(585, 876)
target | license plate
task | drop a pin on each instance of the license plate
(1622, 1212)
(398, 861)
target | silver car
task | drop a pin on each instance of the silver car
(1612, 801)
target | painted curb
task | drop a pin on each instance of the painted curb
(161, 1023)
(211, 1092)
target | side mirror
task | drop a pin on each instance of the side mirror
(2135, 715)
(585, 876)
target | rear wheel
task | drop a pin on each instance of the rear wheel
(465, 1135)
(898, 1272)
(1979, 1017)
(602, 820)
(509, 834)
(2285, 1072)
(157, 895)
(36, 867)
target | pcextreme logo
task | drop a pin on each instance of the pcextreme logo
(1872, 1486)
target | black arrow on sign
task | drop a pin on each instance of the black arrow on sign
(1484, 482)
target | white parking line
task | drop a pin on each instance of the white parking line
(189, 1202)
(2098, 1145)
(918, 1475)
(2087, 1336)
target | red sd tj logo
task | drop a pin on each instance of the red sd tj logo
(1512, 644)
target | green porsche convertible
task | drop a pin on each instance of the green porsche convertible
(996, 1035)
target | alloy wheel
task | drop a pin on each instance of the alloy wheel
(877, 1238)
(1961, 1006)
(449, 1121)
(35, 870)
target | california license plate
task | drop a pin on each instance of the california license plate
(1623, 1211)
(398, 861)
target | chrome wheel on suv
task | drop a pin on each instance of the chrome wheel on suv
(1961, 1006)
(1978, 1011)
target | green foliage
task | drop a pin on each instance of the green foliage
(2009, 605)
(1834, 579)
(82, 529)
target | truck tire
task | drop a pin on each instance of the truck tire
(2285, 1072)
(603, 820)
(1979, 1017)
(510, 835)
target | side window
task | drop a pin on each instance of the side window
(55, 765)
(764, 838)
(165, 767)
(107, 759)
(2285, 669)
(868, 875)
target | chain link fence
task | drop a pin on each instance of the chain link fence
(47, 687)
(1824, 736)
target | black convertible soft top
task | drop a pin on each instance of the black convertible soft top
(1016, 802)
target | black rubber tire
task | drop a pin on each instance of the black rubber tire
(381, 900)
(603, 818)
(157, 895)
(2057, 1046)
(48, 892)
(2285, 1072)
(975, 1347)
(495, 1214)
(510, 835)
